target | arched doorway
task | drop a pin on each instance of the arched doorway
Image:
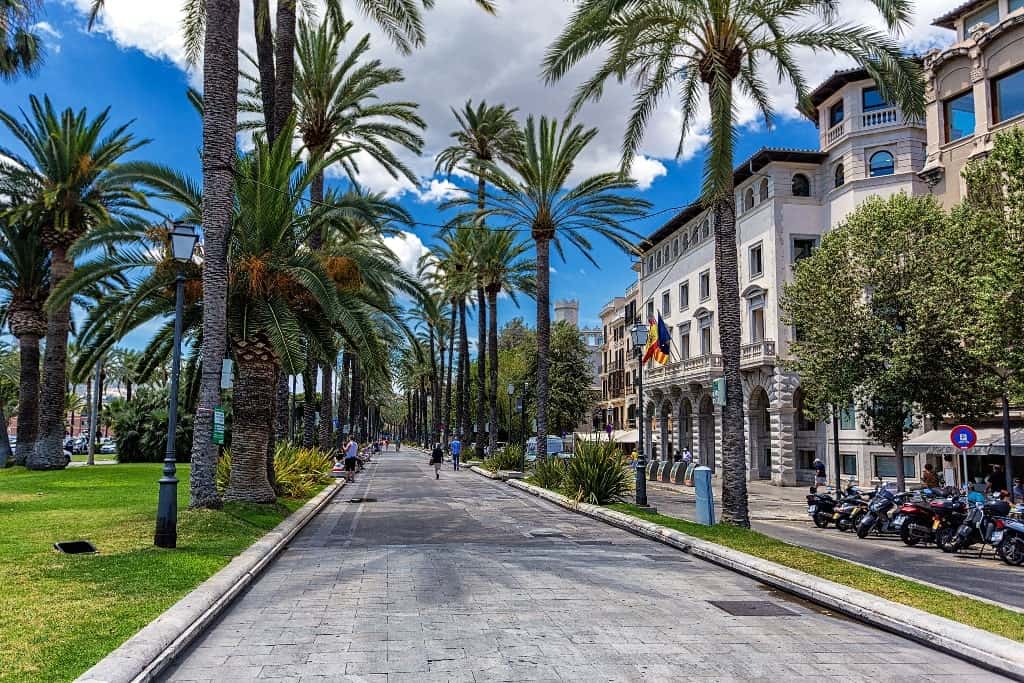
(665, 430)
(685, 422)
(707, 432)
(760, 437)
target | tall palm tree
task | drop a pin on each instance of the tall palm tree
(9, 372)
(534, 196)
(716, 48)
(504, 267)
(21, 48)
(24, 286)
(70, 163)
(485, 134)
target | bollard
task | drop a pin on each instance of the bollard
(688, 475)
(666, 473)
(705, 495)
(678, 470)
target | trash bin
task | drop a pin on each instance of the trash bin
(705, 495)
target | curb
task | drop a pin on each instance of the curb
(979, 647)
(147, 653)
(485, 472)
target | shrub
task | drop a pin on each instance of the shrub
(508, 458)
(597, 474)
(549, 474)
(140, 426)
(300, 472)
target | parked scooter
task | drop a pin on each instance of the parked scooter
(821, 506)
(917, 519)
(1009, 540)
(949, 515)
(850, 510)
(879, 517)
(980, 526)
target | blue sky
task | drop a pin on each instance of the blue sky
(133, 65)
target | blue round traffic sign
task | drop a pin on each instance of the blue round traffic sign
(963, 437)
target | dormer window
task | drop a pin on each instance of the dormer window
(835, 114)
(986, 15)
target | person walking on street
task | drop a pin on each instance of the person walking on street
(819, 473)
(456, 448)
(436, 459)
(351, 454)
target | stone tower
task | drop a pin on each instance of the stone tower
(567, 310)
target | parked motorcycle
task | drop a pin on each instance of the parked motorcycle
(879, 517)
(821, 506)
(980, 526)
(915, 521)
(850, 510)
(1009, 537)
(949, 515)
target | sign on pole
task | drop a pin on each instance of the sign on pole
(226, 378)
(963, 437)
(218, 426)
(718, 391)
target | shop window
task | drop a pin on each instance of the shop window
(1008, 96)
(885, 466)
(958, 113)
(881, 164)
(801, 185)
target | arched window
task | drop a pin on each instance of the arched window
(748, 199)
(881, 164)
(801, 185)
(650, 264)
(695, 237)
(764, 189)
(659, 259)
(840, 175)
(686, 241)
(675, 247)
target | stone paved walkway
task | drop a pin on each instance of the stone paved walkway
(463, 579)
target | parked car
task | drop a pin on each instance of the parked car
(109, 447)
(556, 447)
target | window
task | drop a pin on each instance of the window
(757, 318)
(1008, 96)
(881, 164)
(835, 114)
(849, 463)
(755, 260)
(650, 310)
(958, 113)
(705, 285)
(706, 229)
(686, 241)
(658, 260)
(840, 175)
(684, 296)
(801, 186)
(675, 248)
(987, 15)
(848, 418)
(684, 342)
(805, 458)
(666, 304)
(705, 335)
(871, 99)
(803, 423)
(1016, 5)
(764, 182)
(803, 247)
(885, 465)
(650, 264)
(748, 199)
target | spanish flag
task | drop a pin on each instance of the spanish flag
(659, 342)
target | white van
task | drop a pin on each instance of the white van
(555, 447)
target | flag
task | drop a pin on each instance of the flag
(659, 342)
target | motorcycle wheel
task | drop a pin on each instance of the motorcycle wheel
(944, 539)
(1012, 552)
(821, 520)
(865, 526)
(844, 524)
(906, 537)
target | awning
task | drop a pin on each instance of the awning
(990, 442)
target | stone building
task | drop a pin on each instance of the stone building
(786, 200)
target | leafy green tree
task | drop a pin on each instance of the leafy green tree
(21, 48)
(872, 310)
(717, 49)
(534, 194)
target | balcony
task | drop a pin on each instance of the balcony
(757, 354)
(868, 121)
(696, 369)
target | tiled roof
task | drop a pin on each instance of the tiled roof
(829, 87)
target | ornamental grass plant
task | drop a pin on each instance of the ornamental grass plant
(508, 458)
(300, 472)
(597, 474)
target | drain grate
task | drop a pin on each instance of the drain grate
(362, 500)
(753, 608)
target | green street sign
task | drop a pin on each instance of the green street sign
(718, 391)
(218, 426)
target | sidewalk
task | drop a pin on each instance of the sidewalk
(767, 502)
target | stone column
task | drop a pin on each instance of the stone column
(663, 433)
(783, 436)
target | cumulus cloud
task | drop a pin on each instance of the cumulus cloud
(46, 28)
(408, 247)
(437, 191)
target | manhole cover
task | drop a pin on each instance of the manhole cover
(362, 500)
(753, 608)
(667, 558)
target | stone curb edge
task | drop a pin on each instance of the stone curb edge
(147, 653)
(979, 647)
(485, 473)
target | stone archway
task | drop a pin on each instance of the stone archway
(684, 420)
(759, 434)
(706, 425)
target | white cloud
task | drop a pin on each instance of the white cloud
(408, 247)
(47, 28)
(551, 269)
(437, 191)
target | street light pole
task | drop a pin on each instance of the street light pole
(639, 333)
(183, 242)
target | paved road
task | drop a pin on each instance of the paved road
(465, 579)
(985, 576)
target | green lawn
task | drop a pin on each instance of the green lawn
(935, 600)
(98, 457)
(60, 614)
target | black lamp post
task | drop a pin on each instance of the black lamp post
(639, 337)
(183, 245)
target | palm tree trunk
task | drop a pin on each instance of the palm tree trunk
(48, 453)
(466, 423)
(459, 382)
(220, 115)
(734, 460)
(6, 454)
(309, 402)
(28, 397)
(127, 391)
(434, 382)
(272, 434)
(448, 383)
(481, 371)
(343, 389)
(901, 479)
(251, 419)
(284, 54)
(281, 408)
(492, 367)
(355, 403)
(326, 407)
(543, 342)
(265, 63)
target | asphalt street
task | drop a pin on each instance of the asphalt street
(406, 578)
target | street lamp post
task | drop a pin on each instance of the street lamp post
(639, 334)
(183, 244)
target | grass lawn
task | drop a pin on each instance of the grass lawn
(98, 457)
(935, 600)
(60, 614)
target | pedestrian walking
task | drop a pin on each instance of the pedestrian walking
(819, 473)
(456, 449)
(351, 456)
(436, 459)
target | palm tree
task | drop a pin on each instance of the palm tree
(534, 197)
(24, 286)
(9, 365)
(485, 134)
(716, 47)
(21, 49)
(71, 172)
(503, 267)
